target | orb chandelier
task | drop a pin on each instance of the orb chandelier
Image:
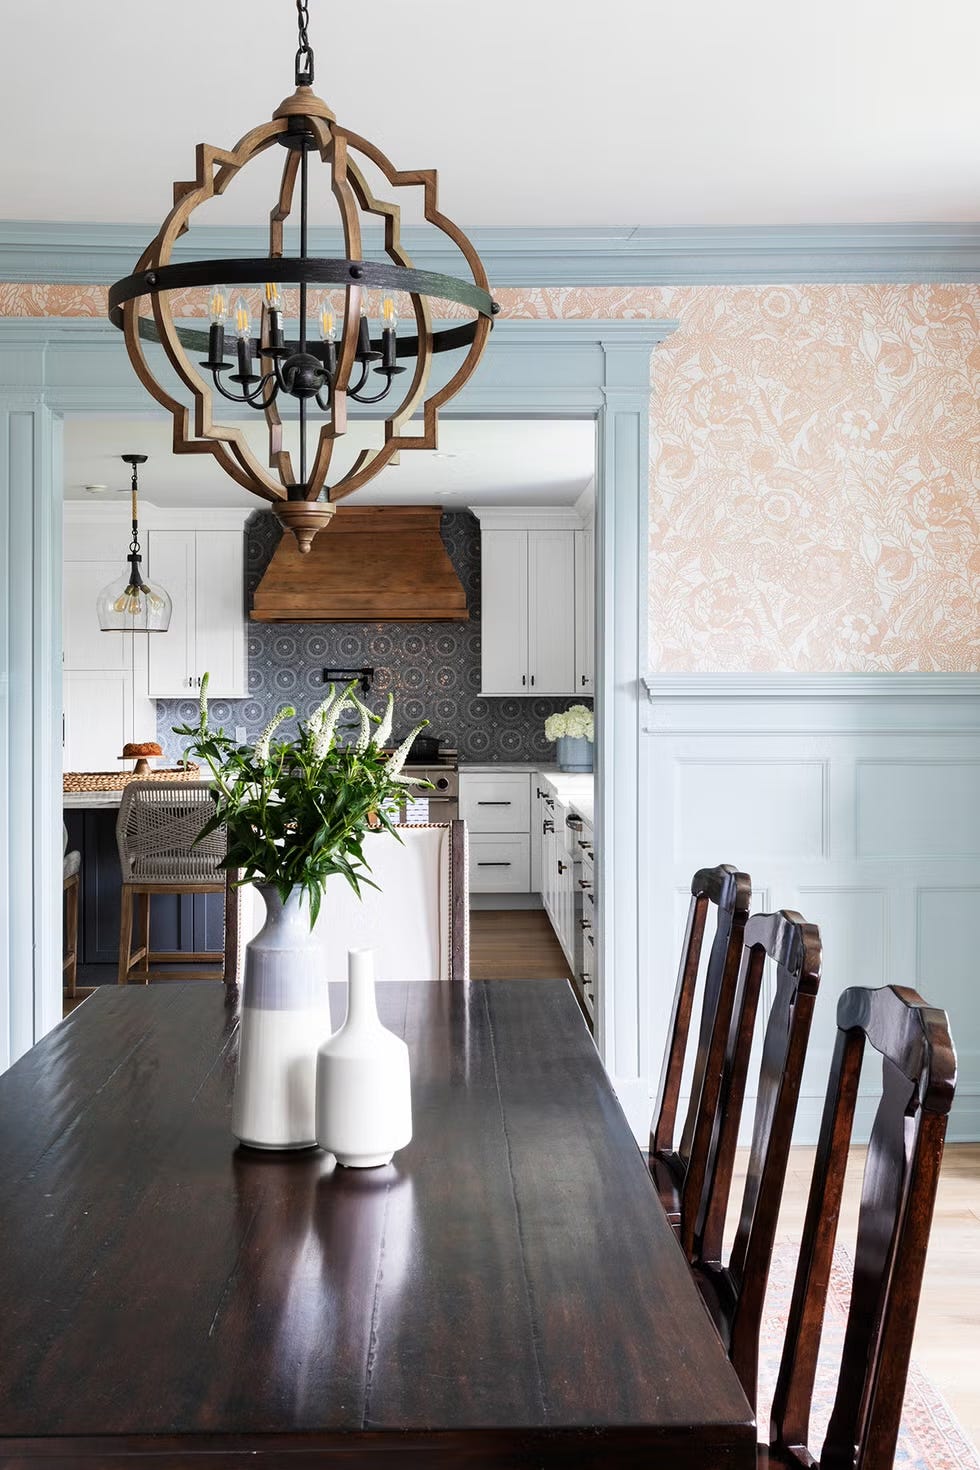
(314, 364)
(130, 604)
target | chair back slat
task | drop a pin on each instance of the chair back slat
(794, 947)
(897, 1201)
(730, 893)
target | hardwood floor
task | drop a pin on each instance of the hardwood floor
(514, 944)
(947, 1333)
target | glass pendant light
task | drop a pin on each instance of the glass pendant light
(131, 604)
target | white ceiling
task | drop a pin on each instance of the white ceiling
(503, 462)
(558, 112)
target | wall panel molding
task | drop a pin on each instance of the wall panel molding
(92, 253)
(894, 885)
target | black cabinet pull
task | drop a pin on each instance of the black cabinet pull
(523, 679)
(561, 866)
(585, 680)
(532, 681)
(495, 803)
(493, 865)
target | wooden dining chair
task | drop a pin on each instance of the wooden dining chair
(734, 1291)
(679, 1165)
(897, 1201)
(416, 920)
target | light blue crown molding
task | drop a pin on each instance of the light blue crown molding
(883, 705)
(552, 368)
(626, 256)
(911, 686)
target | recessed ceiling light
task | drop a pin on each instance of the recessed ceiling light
(96, 489)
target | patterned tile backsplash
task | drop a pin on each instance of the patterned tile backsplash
(433, 669)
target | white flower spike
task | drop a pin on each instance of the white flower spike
(262, 745)
(204, 701)
(364, 734)
(325, 733)
(398, 758)
(383, 733)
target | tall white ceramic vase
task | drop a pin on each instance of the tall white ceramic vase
(363, 1086)
(285, 1015)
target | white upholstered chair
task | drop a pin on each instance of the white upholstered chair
(416, 920)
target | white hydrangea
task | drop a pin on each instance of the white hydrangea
(577, 722)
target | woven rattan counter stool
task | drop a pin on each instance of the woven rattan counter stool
(156, 833)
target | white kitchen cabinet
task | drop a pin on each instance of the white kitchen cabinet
(204, 574)
(503, 614)
(83, 643)
(499, 862)
(101, 715)
(496, 807)
(527, 610)
(585, 611)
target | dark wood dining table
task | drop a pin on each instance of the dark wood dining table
(507, 1293)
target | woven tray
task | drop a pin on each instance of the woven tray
(116, 780)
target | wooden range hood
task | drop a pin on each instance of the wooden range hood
(376, 563)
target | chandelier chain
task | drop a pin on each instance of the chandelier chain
(304, 54)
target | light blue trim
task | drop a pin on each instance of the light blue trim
(594, 369)
(911, 686)
(622, 256)
(530, 368)
(30, 725)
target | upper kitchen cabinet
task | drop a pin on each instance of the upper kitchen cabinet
(203, 570)
(533, 597)
(585, 610)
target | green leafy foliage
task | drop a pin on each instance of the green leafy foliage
(298, 810)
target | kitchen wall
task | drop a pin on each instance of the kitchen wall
(814, 478)
(433, 669)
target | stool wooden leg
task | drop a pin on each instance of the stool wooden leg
(143, 937)
(71, 933)
(125, 934)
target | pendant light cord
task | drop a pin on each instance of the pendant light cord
(304, 54)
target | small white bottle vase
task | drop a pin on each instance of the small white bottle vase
(285, 1015)
(363, 1085)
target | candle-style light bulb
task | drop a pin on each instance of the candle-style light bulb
(389, 352)
(218, 305)
(328, 331)
(243, 322)
(273, 306)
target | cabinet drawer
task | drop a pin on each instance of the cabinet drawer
(500, 864)
(492, 803)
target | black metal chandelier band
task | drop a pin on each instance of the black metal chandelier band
(446, 339)
(313, 271)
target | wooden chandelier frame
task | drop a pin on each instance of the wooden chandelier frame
(303, 116)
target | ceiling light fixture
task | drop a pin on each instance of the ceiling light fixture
(332, 356)
(130, 604)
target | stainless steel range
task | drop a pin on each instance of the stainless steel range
(441, 804)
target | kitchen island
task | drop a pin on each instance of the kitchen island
(182, 922)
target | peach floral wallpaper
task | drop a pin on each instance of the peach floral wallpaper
(814, 474)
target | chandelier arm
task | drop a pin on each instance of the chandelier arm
(375, 397)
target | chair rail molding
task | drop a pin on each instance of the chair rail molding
(854, 798)
(596, 369)
(89, 253)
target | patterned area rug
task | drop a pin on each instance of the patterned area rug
(930, 1438)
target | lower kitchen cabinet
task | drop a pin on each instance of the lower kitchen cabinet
(190, 921)
(500, 863)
